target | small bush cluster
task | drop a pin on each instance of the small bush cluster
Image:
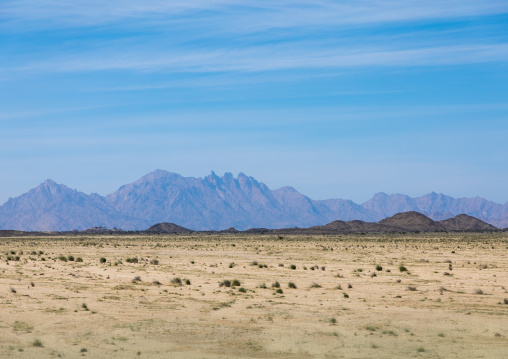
(227, 283)
(131, 260)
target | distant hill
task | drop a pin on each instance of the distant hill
(465, 223)
(401, 222)
(217, 203)
(413, 222)
(167, 228)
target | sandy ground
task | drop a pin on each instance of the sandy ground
(450, 303)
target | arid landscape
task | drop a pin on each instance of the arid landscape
(255, 296)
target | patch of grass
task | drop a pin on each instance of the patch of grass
(390, 332)
(37, 343)
(346, 295)
(242, 290)
(292, 266)
(275, 285)
(70, 258)
(279, 291)
(333, 321)
(21, 327)
(379, 268)
(132, 260)
(420, 350)
(402, 269)
(83, 350)
(235, 283)
(79, 259)
(478, 291)
(85, 307)
(291, 285)
(63, 258)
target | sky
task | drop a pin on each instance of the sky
(339, 99)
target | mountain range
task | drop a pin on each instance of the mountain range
(216, 203)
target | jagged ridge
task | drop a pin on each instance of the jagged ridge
(215, 203)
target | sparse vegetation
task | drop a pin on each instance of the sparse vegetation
(225, 283)
(51, 293)
(37, 343)
(176, 281)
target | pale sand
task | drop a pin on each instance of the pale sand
(426, 315)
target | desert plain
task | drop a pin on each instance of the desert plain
(255, 296)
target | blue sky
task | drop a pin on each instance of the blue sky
(340, 99)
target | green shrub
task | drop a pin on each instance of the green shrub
(225, 283)
(103, 260)
(37, 343)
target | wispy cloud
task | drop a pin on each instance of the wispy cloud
(268, 14)
(266, 58)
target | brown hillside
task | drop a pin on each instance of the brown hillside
(168, 228)
(465, 223)
(413, 222)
